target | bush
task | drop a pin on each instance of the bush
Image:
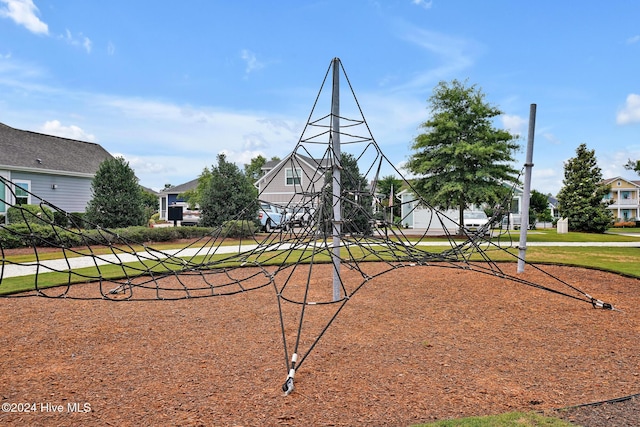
(33, 214)
(624, 224)
(76, 220)
(60, 219)
(19, 235)
(24, 235)
(238, 228)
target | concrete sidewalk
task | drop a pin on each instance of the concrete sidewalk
(65, 265)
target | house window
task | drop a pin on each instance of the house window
(293, 176)
(21, 192)
(3, 197)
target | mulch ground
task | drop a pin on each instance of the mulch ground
(414, 345)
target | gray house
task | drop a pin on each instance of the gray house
(55, 169)
(294, 180)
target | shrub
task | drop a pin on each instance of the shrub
(60, 219)
(238, 228)
(76, 220)
(33, 214)
(624, 224)
(19, 235)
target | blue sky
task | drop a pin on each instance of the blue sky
(169, 85)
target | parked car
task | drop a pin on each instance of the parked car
(190, 218)
(271, 217)
(301, 215)
(474, 220)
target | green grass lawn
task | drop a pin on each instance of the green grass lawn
(550, 235)
(511, 419)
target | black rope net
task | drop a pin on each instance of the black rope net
(335, 217)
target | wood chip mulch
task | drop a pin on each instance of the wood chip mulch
(414, 345)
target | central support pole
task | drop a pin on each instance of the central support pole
(526, 196)
(335, 177)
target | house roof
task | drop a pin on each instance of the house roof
(274, 166)
(608, 181)
(181, 188)
(32, 151)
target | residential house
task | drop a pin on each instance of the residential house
(416, 216)
(624, 196)
(294, 180)
(58, 170)
(171, 197)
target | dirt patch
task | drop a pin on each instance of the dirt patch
(414, 345)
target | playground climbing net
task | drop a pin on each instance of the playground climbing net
(334, 216)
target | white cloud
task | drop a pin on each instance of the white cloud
(86, 43)
(633, 40)
(54, 127)
(252, 62)
(547, 180)
(454, 55)
(612, 162)
(551, 138)
(630, 113)
(81, 40)
(23, 12)
(514, 124)
(423, 3)
(111, 48)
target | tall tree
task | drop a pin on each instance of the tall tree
(538, 207)
(253, 171)
(228, 196)
(581, 199)
(194, 196)
(389, 186)
(461, 158)
(117, 198)
(633, 166)
(356, 199)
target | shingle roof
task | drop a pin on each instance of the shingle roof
(181, 188)
(608, 181)
(20, 149)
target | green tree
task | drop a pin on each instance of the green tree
(581, 199)
(633, 166)
(194, 196)
(356, 199)
(461, 159)
(229, 195)
(386, 185)
(150, 201)
(538, 207)
(117, 198)
(253, 171)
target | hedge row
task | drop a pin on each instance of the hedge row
(23, 235)
(33, 234)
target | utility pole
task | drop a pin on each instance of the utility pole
(335, 177)
(526, 196)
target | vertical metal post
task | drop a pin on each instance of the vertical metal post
(526, 196)
(335, 177)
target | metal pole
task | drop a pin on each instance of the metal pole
(335, 176)
(526, 196)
